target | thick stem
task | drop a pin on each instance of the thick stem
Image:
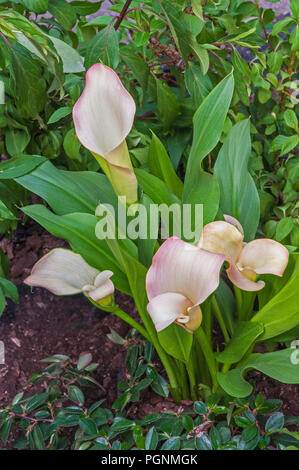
(209, 355)
(122, 14)
(220, 320)
(128, 319)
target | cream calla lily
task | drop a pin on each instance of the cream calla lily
(103, 117)
(63, 272)
(262, 256)
(180, 278)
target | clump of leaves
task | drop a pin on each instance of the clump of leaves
(60, 418)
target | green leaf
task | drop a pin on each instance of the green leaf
(59, 114)
(289, 143)
(239, 196)
(244, 335)
(85, 8)
(139, 67)
(274, 423)
(146, 245)
(205, 192)
(281, 312)
(28, 83)
(151, 439)
(67, 191)
(160, 165)
(64, 13)
(208, 122)
(76, 394)
(168, 104)
(79, 230)
(283, 228)
(19, 166)
(88, 426)
(198, 85)
(200, 408)
(155, 188)
(173, 443)
(16, 140)
(122, 424)
(104, 47)
(277, 365)
(176, 341)
(9, 289)
(38, 437)
(37, 6)
(36, 401)
(72, 61)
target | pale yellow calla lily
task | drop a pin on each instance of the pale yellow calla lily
(103, 117)
(180, 278)
(63, 272)
(262, 256)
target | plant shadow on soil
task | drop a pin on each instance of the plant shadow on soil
(43, 324)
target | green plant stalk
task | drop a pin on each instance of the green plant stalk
(239, 302)
(219, 317)
(184, 380)
(127, 318)
(209, 355)
(192, 378)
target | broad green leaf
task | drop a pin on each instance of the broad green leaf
(9, 289)
(104, 47)
(168, 104)
(155, 188)
(151, 439)
(59, 114)
(244, 336)
(239, 196)
(28, 83)
(19, 166)
(79, 230)
(160, 165)
(84, 8)
(139, 67)
(176, 341)
(37, 6)
(198, 85)
(67, 191)
(278, 365)
(63, 12)
(146, 245)
(227, 304)
(16, 140)
(72, 61)
(208, 123)
(281, 312)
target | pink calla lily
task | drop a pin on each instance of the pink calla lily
(63, 272)
(103, 117)
(261, 256)
(180, 278)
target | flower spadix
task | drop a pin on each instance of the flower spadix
(247, 260)
(103, 117)
(180, 278)
(64, 272)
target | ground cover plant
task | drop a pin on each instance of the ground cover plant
(161, 142)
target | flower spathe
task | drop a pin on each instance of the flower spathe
(64, 272)
(180, 278)
(103, 117)
(261, 256)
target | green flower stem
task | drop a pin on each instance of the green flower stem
(239, 302)
(201, 366)
(219, 317)
(192, 379)
(207, 321)
(183, 380)
(209, 355)
(128, 319)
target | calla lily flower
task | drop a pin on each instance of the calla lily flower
(180, 278)
(103, 117)
(247, 260)
(64, 272)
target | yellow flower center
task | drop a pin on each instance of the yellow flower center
(249, 273)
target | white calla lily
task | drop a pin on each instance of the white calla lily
(103, 117)
(180, 278)
(64, 272)
(262, 256)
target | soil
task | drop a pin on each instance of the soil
(43, 324)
